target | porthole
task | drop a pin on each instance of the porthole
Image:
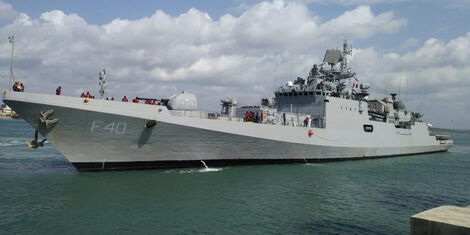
(368, 128)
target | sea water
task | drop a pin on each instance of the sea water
(41, 193)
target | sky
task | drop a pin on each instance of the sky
(241, 49)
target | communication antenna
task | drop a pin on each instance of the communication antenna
(347, 50)
(12, 77)
(102, 78)
(275, 72)
(291, 67)
(406, 91)
(399, 85)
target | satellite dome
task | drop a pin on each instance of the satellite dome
(182, 101)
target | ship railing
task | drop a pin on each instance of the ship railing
(202, 115)
(443, 139)
(291, 119)
(192, 114)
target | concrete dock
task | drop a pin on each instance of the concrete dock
(441, 220)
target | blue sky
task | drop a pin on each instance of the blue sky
(103, 11)
(245, 48)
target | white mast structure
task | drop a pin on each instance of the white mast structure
(12, 77)
(102, 78)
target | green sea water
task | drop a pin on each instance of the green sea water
(41, 193)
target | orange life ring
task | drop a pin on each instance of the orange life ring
(310, 133)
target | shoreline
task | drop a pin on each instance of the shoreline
(9, 117)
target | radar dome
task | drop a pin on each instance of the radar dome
(182, 101)
(388, 100)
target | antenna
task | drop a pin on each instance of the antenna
(102, 78)
(275, 72)
(399, 85)
(12, 77)
(406, 91)
(347, 50)
(307, 64)
(291, 65)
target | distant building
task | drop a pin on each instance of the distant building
(7, 112)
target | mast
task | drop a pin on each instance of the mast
(102, 82)
(347, 50)
(12, 77)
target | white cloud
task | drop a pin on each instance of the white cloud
(435, 76)
(362, 23)
(410, 43)
(6, 11)
(192, 51)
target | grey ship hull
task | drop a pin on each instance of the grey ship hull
(106, 135)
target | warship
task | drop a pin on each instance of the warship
(326, 116)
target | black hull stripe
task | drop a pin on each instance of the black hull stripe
(141, 165)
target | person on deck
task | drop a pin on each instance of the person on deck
(16, 86)
(124, 99)
(87, 95)
(135, 100)
(82, 95)
(58, 90)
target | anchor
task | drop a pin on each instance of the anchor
(44, 117)
(35, 143)
(150, 123)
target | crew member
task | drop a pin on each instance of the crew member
(16, 86)
(124, 99)
(58, 90)
(135, 100)
(306, 121)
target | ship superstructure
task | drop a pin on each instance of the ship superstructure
(326, 116)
